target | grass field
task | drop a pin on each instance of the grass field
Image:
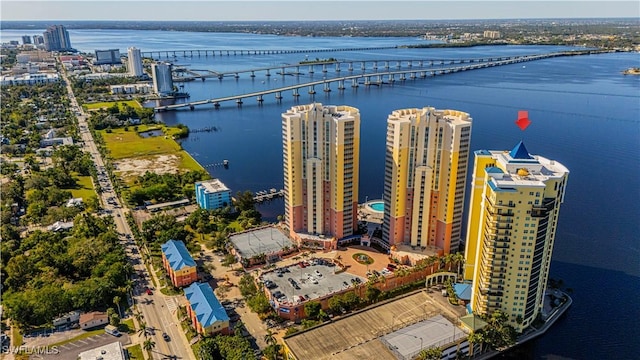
(84, 189)
(125, 144)
(126, 326)
(135, 352)
(129, 144)
(107, 104)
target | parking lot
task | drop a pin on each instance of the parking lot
(313, 281)
(71, 350)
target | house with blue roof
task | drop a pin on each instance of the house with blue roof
(205, 311)
(178, 263)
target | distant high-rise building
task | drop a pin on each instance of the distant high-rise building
(38, 39)
(56, 38)
(111, 56)
(513, 215)
(321, 169)
(162, 80)
(425, 173)
(135, 62)
(26, 39)
(492, 34)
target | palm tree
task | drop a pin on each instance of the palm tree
(269, 338)
(142, 329)
(116, 300)
(459, 258)
(148, 344)
(138, 316)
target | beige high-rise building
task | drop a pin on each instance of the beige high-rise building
(321, 160)
(513, 215)
(425, 171)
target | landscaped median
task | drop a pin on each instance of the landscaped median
(107, 104)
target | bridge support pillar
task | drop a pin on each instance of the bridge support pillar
(216, 104)
(239, 101)
(267, 74)
(341, 85)
(297, 70)
(363, 66)
(237, 76)
(279, 95)
(312, 89)
(324, 68)
(391, 78)
(420, 63)
(412, 75)
(367, 80)
(260, 99)
(403, 77)
(379, 79)
(410, 64)
(354, 83)
(295, 93)
(386, 65)
(375, 65)
(310, 69)
(350, 68)
(191, 107)
(399, 64)
(253, 74)
(326, 87)
(337, 67)
(423, 74)
(431, 63)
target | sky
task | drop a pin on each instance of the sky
(218, 10)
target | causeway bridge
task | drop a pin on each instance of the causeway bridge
(336, 66)
(376, 78)
(225, 52)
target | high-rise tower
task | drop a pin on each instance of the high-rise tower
(425, 172)
(162, 80)
(135, 62)
(321, 161)
(513, 215)
(56, 38)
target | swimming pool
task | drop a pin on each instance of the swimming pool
(377, 206)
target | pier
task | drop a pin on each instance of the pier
(262, 196)
(224, 163)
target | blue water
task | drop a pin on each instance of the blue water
(584, 112)
(377, 206)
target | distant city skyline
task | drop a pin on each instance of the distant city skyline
(56, 10)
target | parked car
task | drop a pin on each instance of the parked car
(318, 273)
(148, 291)
(165, 337)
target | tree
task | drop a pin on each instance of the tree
(116, 300)
(269, 338)
(372, 293)
(149, 344)
(114, 320)
(142, 329)
(433, 353)
(272, 352)
(312, 309)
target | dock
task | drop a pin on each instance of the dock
(265, 195)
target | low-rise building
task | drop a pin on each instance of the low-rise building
(178, 263)
(131, 89)
(205, 311)
(60, 226)
(29, 79)
(212, 194)
(113, 351)
(93, 319)
(74, 202)
(67, 319)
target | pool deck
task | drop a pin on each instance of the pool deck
(368, 214)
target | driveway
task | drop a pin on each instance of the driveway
(71, 350)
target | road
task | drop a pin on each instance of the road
(153, 307)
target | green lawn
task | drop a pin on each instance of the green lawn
(84, 188)
(107, 104)
(135, 352)
(126, 326)
(84, 335)
(129, 144)
(126, 144)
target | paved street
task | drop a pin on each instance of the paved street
(152, 307)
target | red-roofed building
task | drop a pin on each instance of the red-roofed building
(93, 319)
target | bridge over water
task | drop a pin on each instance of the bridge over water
(368, 79)
(336, 66)
(168, 54)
